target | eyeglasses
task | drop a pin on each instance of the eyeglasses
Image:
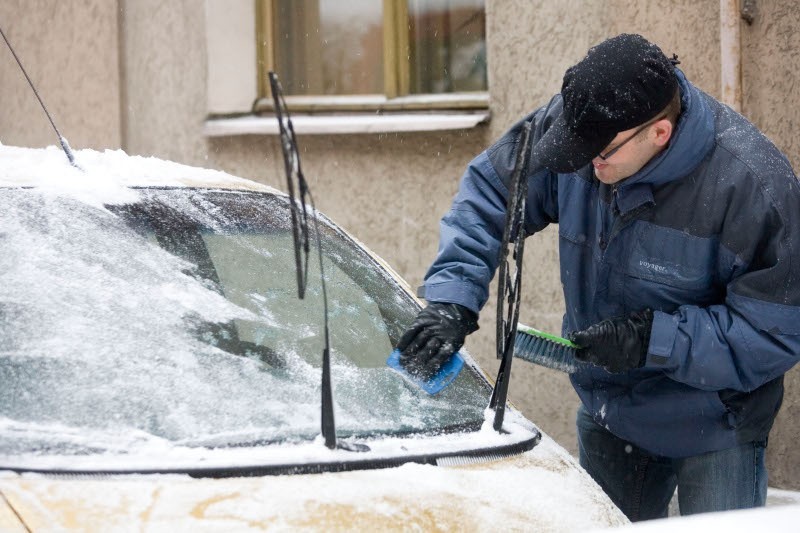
(639, 130)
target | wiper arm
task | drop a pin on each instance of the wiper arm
(299, 214)
(509, 282)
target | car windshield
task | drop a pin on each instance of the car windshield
(176, 320)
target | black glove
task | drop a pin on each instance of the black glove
(437, 333)
(617, 344)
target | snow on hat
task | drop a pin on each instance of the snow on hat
(621, 83)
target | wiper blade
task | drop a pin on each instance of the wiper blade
(300, 233)
(509, 280)
(294, 173)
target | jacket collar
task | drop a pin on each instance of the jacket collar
(692, 140)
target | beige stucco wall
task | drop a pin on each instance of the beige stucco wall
(771, 84)
(149, 61)
(69, 49)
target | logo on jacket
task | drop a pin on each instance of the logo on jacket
(652, 266)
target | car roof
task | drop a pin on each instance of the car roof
(108, 170)
(106, 178)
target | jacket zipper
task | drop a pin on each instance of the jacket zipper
(620, 222)
(605, 237)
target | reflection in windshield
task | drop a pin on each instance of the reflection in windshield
(175, 321)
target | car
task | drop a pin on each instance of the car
(160, 370)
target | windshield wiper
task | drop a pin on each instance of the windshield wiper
(509, 281)
(300, 233)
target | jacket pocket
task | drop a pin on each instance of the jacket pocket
(667, 268)
(753, 413)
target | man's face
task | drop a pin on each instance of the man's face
(630, 150)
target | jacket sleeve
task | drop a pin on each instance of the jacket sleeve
(472, 230)
(754, 337)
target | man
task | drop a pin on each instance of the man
(679, 235)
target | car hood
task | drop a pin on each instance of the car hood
(539, 490)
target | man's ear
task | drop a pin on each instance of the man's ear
(663, 132)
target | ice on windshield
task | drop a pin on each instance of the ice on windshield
(176, 318)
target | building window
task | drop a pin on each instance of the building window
(368, 54)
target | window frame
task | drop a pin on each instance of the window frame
(397, 74)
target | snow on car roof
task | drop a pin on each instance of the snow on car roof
(105, 177)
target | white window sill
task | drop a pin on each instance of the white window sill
(346, 123)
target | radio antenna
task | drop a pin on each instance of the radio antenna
(61, 139)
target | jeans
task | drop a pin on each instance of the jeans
(641, 485)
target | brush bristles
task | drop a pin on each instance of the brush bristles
(545, 352)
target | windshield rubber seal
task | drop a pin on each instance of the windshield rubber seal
(491, 453)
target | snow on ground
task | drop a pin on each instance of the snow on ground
(782, 497)
(777, 519)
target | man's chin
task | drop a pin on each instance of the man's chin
(606, 175)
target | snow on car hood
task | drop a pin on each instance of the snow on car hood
(543, 490)
(151, 455)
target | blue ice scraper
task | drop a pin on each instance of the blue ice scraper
(444, 377)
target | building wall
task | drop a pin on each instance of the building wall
(69, 50)
(771, 85)
(134, 73)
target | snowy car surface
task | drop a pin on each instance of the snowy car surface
(159, 371)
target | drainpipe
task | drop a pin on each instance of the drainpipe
(731, 53)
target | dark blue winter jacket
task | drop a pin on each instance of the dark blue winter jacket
(707, 235)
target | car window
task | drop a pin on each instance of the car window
(175, 321)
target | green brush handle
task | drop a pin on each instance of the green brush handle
(541, 334)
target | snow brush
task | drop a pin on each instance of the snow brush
(545, 349)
